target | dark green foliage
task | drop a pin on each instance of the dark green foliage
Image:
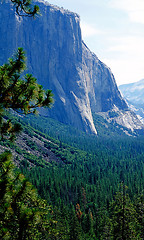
(91, 179)
(25, 8)
(75, 228)
(123, 216)
(80, 184)
(23, 215)
(22, 94)
(139, 207)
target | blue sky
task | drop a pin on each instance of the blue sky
(114, 31)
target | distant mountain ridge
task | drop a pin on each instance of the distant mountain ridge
(134, 92)
(134, 95)
(60, 60)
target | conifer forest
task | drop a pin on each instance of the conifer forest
(56, 182)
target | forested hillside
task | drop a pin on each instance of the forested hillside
(88, 187)
(94, 186)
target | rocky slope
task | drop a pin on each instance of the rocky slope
(31, 148)
(59, 59)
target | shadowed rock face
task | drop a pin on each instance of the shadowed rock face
(59, 59)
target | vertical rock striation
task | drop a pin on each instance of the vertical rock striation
(60, 60)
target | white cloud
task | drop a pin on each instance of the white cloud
(125, 70)
(126, 59)
(131, 45)
(89, 31)
(134, 8)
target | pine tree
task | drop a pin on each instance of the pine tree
(22, 94)
(123, 216)
(25, 8)
(75, 228)
(23, 215)
(88, 225)
(139, 205)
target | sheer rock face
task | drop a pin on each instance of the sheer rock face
(59, 59)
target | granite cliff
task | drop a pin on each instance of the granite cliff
(60, 60)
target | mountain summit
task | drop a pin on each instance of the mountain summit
(60, 60)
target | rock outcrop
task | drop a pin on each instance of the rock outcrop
(59, 59)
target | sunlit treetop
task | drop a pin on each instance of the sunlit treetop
(19, 92)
